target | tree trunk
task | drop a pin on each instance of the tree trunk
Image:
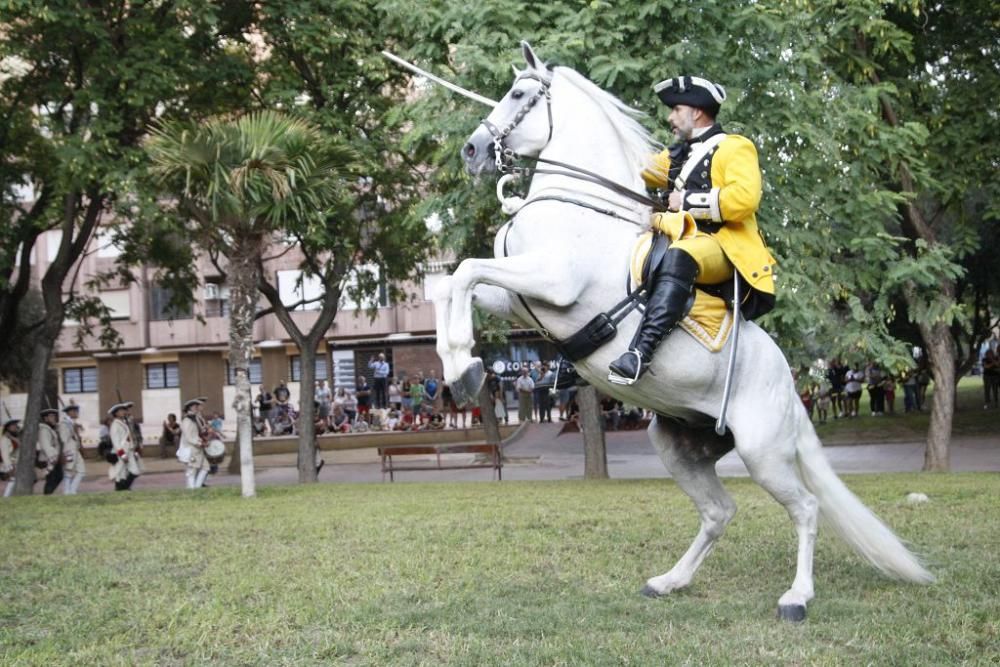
(595, 455)
(307, 412)
(41, 354)
(243, 286)
(490, 422)
(940, 348)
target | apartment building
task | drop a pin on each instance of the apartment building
(168, 357)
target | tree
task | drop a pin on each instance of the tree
(79, 86)
(851, 106)
(238, 181)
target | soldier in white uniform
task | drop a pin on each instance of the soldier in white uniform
(50, 449)
(125, 462)
(73, 466)
(192, 428)
(8, 453)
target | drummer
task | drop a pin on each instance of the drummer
(194, 440)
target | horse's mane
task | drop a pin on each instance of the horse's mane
(635, 139)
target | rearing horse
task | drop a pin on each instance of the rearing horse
(562, 259)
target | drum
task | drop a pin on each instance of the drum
(215, 451)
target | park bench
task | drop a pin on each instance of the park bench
(490, 458)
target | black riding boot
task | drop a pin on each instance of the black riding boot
(669, 291)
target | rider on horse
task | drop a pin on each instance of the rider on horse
(714, 177)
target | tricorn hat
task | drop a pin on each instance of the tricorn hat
(71, 406)
(119, 406)
(10, 421)
(193, 401)
(48, 411)
(693, 91)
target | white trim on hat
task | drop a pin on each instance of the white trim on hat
(717, 92)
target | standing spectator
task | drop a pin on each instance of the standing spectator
(806, 396)
(324, 398)
(876, 391)
(536, 375)
(495, 387)
(909, 391)
(431, 390)
(823, 403)
(350, 406)
(265, 406)
(923, 380)
(611, 414)
(363, 396)
(543, 389)
(889, 393)
(853, 387)
(395, 397)
(525, 387)
(380, 370)
(835, 373)
(404, 398)
(991, 378)
(417, 394)
(171, 434)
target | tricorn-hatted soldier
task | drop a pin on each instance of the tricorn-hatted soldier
(123, 457)
(50, 450)
(73, 466)
(193, 440)
(9, 445)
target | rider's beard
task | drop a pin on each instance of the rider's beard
(684, 127)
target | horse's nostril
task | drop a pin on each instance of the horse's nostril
(470, 150)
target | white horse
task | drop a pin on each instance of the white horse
(567, 261)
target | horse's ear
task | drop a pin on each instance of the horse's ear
(534, 62)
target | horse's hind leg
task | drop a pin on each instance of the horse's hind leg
(771, 462)
(690, 456)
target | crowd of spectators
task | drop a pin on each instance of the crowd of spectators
(838, 390)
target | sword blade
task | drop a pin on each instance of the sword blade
(436, 79)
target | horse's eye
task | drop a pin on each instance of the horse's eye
(517, 94)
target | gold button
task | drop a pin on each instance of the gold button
(753, 275)
(767, 268)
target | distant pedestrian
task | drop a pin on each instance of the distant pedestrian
(525, 388)
(991, 378)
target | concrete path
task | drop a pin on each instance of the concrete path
(541, 454)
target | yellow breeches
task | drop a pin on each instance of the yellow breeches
(713, 266)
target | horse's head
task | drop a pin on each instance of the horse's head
(520, 122)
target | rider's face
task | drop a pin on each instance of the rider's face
(682, 121)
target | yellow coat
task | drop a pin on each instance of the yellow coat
(736, 173)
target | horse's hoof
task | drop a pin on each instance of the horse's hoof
(649, 592)
(795, 613)
(465, 389)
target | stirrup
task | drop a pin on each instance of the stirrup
(621, 380)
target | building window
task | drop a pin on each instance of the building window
(256, 374)
(364, 289)
(296, 367)
(216, 300)
(80, 380)
(294, 286)
(162, 376)
(118, 303)
(160, 307)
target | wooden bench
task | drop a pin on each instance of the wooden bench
(389, 465)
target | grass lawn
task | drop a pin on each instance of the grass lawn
(482, 574)
(970, 419)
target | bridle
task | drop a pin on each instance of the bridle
(507, 160)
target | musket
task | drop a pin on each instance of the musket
(438, 80)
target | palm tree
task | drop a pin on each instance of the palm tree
(238, 181)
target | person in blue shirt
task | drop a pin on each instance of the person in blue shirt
(380, 370)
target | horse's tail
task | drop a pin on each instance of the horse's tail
(856, 524)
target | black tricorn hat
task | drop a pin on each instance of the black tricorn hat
(693, 91)
(48, 411)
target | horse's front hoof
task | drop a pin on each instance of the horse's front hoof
(465, 389)
(794, 613)
(649, 592)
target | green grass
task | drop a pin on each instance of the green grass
(970, 419)
(482, 574)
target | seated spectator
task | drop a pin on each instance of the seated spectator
(632, 418)
(611, 414)
(391, 421)
(477, 415)
(436, 422)
(339, 420)
(405, 421)
(216, 422)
